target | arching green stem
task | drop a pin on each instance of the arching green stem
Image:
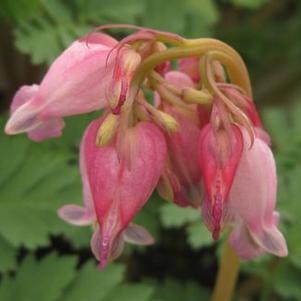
(226, 55)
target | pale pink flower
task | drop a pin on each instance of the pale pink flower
(251, 203)
(78, 81)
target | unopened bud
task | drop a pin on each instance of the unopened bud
(167, 121)
(191, 95)
(107, 130)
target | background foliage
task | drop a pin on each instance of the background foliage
(44, 259)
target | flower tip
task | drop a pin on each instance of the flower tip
(107, 130)
(7, 129)
(216, 234)
(102, 265)
(168, 121)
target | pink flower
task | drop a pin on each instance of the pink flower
(181, 178)
(251, 203)
(77, 82)
(219, 155)
(116, 190)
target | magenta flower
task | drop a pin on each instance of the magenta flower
(78, 81)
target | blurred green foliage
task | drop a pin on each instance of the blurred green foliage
(44, 259)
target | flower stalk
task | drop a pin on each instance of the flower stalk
(227, 275)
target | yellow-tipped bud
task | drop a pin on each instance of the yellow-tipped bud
(191, 95)
(167, 121)
(107, 130)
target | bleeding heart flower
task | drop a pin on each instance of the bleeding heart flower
(251, 203)
(118, 191)
(77, 82)
(219, 154)
(181, 179)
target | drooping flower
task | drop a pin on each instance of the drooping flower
(77, 82)
(251, 203)
(220, 151)
(118, 190)
(180, 181)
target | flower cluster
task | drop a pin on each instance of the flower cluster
(177, 117)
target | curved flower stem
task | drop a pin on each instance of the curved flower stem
(227, 275)
(228, 56)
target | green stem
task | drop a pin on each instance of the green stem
(227, 275)
(227, 55)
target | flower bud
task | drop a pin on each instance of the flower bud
(167, 121)
(192, 95)
(107, 130)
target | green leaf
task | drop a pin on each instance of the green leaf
(38, 179)
(252, 4)
(7, 256)
(15, 11)
(101, 11)
(198, 235)
(128, 292)
(157, 19)
(172, 290)
(201, 15)
(6, 289)
(148, 216)
(36, 281)
(192, 17)
(54, 26)
(286, 281)
(94, 285)
(175, 216)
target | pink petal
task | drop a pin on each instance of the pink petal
(76, 81)
(138, 235)
(97, 249)
(243, 243)
(95, 243)
(99, 38)
(48, 129)
(76, 215)
(179, 79)
(23, 95)
(190, 66)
